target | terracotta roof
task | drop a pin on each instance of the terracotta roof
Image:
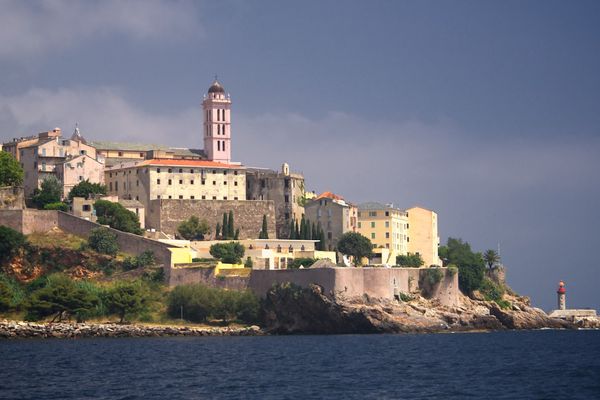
(187, 163)
(329, 195)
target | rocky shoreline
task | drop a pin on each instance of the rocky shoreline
(22, 330)
(289, 310)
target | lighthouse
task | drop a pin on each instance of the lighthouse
(561, 292)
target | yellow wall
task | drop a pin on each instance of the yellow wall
(423, 234)
(387, 231)
(180, 255)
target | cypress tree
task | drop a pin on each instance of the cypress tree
(225, 227)
(236, 235)
(308, 230)
(218, 231)
(231, 228)
(264, 233)
(296, 231)
(302, 228)
(314, 233)
(291, 234)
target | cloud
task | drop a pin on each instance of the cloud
(34, 28)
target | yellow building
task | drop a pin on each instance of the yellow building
(386, 227)
(423, 234)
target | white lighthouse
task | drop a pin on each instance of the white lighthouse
(217, 124)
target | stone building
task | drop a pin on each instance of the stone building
(68, 160)
(119, 152)
(335, 216)
(284, 188)
(386, 227)
(423, 234)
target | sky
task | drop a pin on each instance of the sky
(486, 112)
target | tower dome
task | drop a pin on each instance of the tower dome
(216, 87)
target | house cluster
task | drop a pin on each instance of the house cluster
(166, 185)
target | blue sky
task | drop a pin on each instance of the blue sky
(487, 112)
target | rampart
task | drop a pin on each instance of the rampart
(166, 214)
(185, 274)
(349, 282)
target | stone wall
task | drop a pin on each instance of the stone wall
(12, 198)
(165, 215)
(185, 274)
(376, 282)
(28, 221)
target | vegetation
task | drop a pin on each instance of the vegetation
(248, 263)
(86, 188)
(452, 269)
(50, 191)
(470, 265)
(103, 241)
(199, 303)
(10, 242)
(127, 299)
(146, 259)
(491, 258)
(305, 262)
(228, 230)
(410, 260)
(11, 173)
(193, 229)
(57, 206)
(356, 245)
(264, 232)
(230, 253)
(434, 276)
(11, 294)
(116, 216)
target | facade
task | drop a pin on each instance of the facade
(217, 124)
(68, 160)
(423, 234)
(386, 227)
(285, 189)
(14, 146)
(335, 216)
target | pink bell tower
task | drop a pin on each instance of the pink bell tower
(217, 124)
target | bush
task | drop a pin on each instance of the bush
(57, 206)
(103, 241)
(452, 269)
(86, 188)
(304, 261)
(11, 294)
(200, 303)
(10, 242)
(118, 217)
(434, 276)
(127, 299)
(146, 259)
(193, 229)
(248, 263)
(470, 277)
(230, 253)
(11, 173)
(410, 260)
(491, 291)
(50, 191)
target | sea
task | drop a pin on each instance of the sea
(545, 364)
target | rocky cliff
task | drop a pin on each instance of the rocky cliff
(290, 309)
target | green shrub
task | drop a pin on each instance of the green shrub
(11, 173)
(127, 299)
(10, 242)
(103, 241)
(86, 188)
(452, 269)
(57, 206)
(193, 228)
(405, 297)
(410, 260)
(491, 291)
(248, 263)
(118, 217)
(306, 262)
(230, 253)
(504, 304)
(50, 191)
(146, 259)
(200, 303)
(434, 276)
(12, 294)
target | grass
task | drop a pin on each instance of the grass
(56, 238)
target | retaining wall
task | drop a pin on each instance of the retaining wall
(183, 274)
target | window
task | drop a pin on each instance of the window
(358, 214)
(359, 225)
(287, 215)
(387, 224)
(158, 196)
(224, 197)
(406, 226)
(117, 186)
(214, 171)
(373, 224)
(235, 172)
(110, 174)
(191, 171)
(141, 155)
(286, 183)
(214, 182)
(214, 197)
(203, 197)
(373, 235)
(203, 182)
(180, 170)
(218, 145)
(137, 183)
(137, 197)
(158, 170)
(110, 186)
(80, 178)
(224, 182)
(224, 172)
(86, 207)
(407, 239)
(192, 182)
(372, 213)
(387, 235)
(223, 143)
(387, 245)
(82, 152)
(329, 235)
(158, 181)
(169, 182)
(170, 197)
(235, 183)
(169, 170)
(192, 197)
(181, 181)
(286, 198)
(235, 198)
(180, 196)
(387, 213)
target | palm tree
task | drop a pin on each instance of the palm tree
(491, 258)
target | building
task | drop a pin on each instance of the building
(284, 188)
(118, 152)
(68, 160)
(217, 124)
(14, 146)
(423, 234)
(335, 216)
(386, 227)
(84, 208)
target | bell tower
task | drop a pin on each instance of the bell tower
(217, 124)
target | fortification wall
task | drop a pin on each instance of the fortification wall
(188, 274)
(12, 198)
(166, 214)
(350, 282)
(28, 221)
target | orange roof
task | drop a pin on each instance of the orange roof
(187, 163)
(330, 195)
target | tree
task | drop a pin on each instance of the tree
(118, 217)
(86, 188)
(470, 265)
(264, 232)
(127, 299)
(230, 253)
(61, 298)
(230, 226)
(291, 235)
(410, 260)
(50, 191)
(225, 227)
(491, 258)
(103, 241)
(218, 231)
(11, 173)
(193, 228)
(10, 242)
(306, 262)
(303, 228)
(356, 245)
(57, 206)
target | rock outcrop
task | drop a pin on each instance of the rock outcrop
(290, 309)
(15, 330)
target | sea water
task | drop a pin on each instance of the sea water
(501, 365)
